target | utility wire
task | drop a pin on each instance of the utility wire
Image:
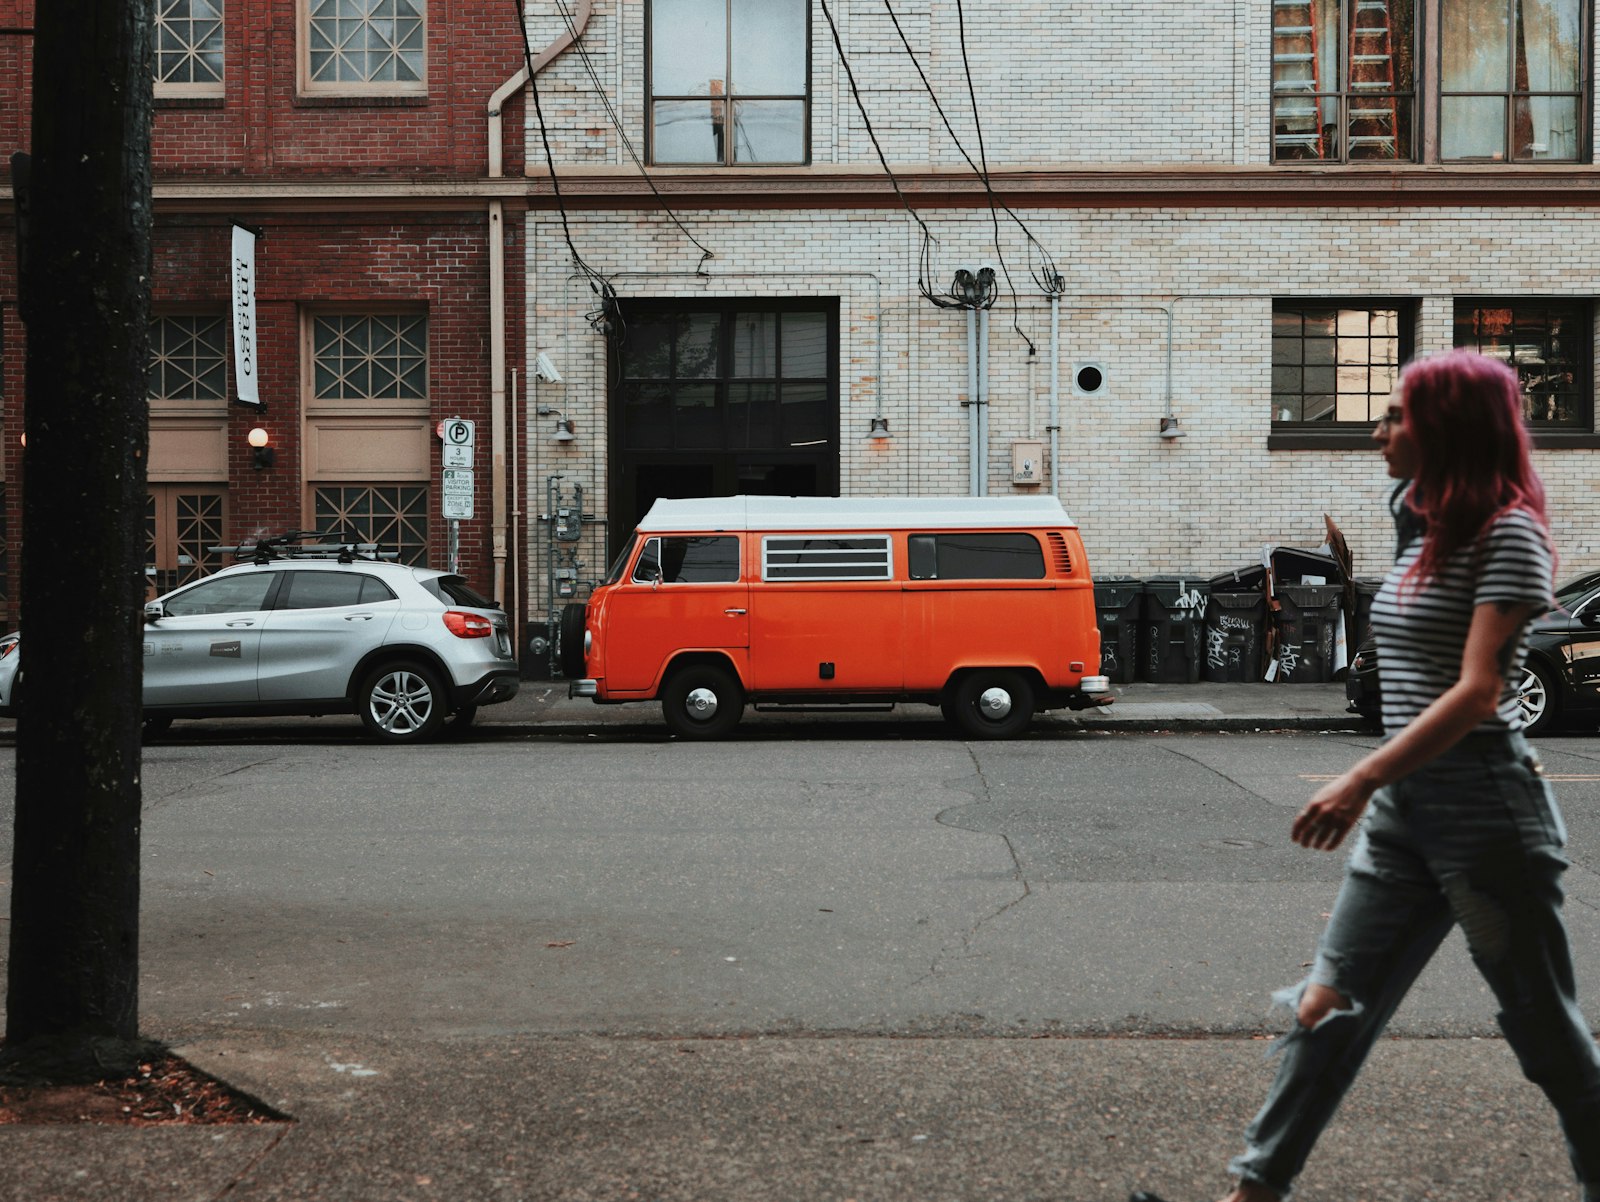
(1016, 307)
(949, 300)
(627, 142)
(1045, 275)
(598, 283)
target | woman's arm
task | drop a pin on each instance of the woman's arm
(1491, 642)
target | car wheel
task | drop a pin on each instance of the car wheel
(402, 703)
(994, 703)
(947, 709)
(154, 726)
(1536, 697)
(574, 618)
(702, 701)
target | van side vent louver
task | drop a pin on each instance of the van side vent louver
(1059, 555)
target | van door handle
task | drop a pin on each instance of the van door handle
(358, 617)
(733, 613)
(242, 622)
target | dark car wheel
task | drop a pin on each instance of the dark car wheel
(702, 701)
(574, 619)
(402, 702)
(1538, 700)
(154, 726)
(993, 703)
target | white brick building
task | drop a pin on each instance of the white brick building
(1139, 146)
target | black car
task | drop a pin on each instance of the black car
(1561, 681)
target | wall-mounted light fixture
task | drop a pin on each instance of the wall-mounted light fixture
(879, 430)
(1169, 428)
(564, 431)
(262, 456)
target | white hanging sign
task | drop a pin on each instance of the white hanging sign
(244, 315)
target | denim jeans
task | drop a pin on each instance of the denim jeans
(1474, 838)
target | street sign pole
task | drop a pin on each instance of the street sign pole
(456, 480)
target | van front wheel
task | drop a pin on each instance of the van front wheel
(992, 704)
(702, 701)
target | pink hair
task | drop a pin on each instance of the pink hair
(1463, 413)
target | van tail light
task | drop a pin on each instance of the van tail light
(467, 626)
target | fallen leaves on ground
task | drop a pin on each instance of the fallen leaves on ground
(168, 1090)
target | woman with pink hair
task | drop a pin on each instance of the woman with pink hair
(1454, 822)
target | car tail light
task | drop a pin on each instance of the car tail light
(467, 626)
(7, 646)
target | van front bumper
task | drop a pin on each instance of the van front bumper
(583, 688)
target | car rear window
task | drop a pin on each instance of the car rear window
(975, 556)
(454, 590)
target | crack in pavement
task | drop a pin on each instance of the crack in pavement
(961, 953)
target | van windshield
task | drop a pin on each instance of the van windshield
(621, 563)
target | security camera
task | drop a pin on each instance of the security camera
(544, 369)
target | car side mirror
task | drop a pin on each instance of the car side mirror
(154, 611)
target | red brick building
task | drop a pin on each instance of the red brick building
(359, 142)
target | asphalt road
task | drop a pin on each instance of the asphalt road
(1077, 883)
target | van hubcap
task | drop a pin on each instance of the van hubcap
(994, 704)
(701, 703)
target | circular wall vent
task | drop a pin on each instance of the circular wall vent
(1088, 378)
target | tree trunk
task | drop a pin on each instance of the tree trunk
(72, 982)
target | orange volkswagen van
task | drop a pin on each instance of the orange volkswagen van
(981, 606)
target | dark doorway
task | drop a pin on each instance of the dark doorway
(721, 397)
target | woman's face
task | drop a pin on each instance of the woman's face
(1394, 438)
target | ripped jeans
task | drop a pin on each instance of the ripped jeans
(1473, 838)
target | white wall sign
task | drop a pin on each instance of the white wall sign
(455, 493)
(244, 315)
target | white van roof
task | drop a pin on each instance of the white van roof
(852, 513)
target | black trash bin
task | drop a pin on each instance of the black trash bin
(1234, 628)
(1117, 601)
(1173, 628)
(1293, 566)
(1252, 579)
(1308, 620)
(1366, 590)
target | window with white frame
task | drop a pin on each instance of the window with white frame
(364, 47)
(188, 47)
(729, 81)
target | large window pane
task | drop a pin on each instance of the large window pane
(769, 47)
(647, 348)
(1474, 45)
(188, 45)
(805, 345)
(752, 416)
(805, 414)
(1333, 365)
(755, 345)
(688, 47)
(1547, 127)
(688, 131)
(769, 131)
(698, 346)
(647, 416)
(1472, 127)
(1546, 342)
(1548, 45)
(696, 423)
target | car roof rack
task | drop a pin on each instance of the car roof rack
(308, 544)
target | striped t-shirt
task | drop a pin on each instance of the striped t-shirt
(1421, 631)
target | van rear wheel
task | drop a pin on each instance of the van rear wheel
(702, 701)
(992, 703)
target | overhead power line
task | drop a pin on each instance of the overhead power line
(627, 142)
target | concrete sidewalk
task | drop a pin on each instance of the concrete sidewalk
(595, 1119)
(544, 704)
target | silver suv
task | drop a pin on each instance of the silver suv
(316, 630)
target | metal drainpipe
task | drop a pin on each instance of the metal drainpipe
(983, 402)
(1055, 393)
(972, 402)
(498, 411)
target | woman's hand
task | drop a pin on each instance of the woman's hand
(1332, 813)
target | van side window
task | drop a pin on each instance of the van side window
(975, 556)
(812, 557)
(710, 560)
